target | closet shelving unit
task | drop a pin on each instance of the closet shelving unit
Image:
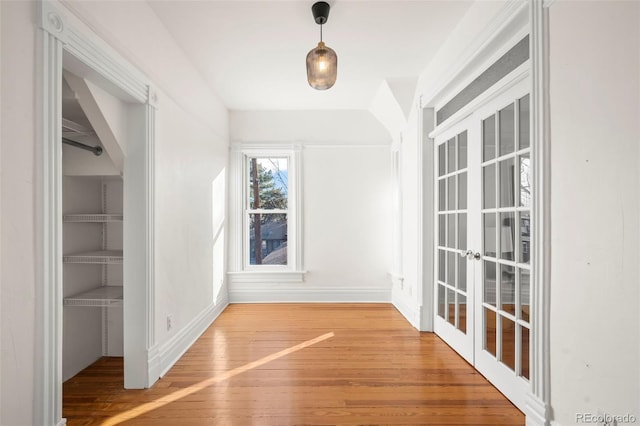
(104, 295)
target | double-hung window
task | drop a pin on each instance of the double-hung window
(265, 243)
(267, 211)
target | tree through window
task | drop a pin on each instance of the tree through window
(268, 208)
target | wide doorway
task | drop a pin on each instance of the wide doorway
(483, 246)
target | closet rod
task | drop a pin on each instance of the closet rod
(97, 150)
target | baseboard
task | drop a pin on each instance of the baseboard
(409, 310)
(62, 422)
(164, 356)
(274, 293)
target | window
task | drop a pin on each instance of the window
(265, 223)
(267, 210)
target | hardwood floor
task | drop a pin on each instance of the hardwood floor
(299, 364)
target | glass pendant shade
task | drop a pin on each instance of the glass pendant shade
(322, 67)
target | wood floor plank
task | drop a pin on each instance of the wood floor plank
(298, 364)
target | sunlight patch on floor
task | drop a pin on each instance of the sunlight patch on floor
(167, 399)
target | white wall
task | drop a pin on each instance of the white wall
(346, 191)
(191, 151)
(17, 230)
(347, 217)
(595, 133)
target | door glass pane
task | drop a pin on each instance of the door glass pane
(451, 155)
(524, 294)
(489, 138)
(525, 180)
(451, 230)
(523, 121)
(451, 193)
(489, 232)
(442, 160)
(507, 236)
(451, 306)
(490, 283)
(442, 230)
(451, 268)
(524, 250)
(462, 150)
(506, 183)
(462, 191)
(442, 195)
(442, 260)
(490, 331)
(462, 231)
(489, 186)
(524, 352)
(508, 342)
(508, 288)
(462, 274)
(462, 313)
(507, 130)
(441, 303)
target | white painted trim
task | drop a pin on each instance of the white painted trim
(244, 277)
(238, 145)
(48, 393)
(506, 83)
(284, 292)
(405, 306)
(487, 46)
(169, 352)
(62, 422)
(61, 37)
(538, 409)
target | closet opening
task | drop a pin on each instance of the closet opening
(93, 142)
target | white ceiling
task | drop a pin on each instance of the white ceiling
(252, 53)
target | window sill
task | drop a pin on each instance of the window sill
(267, 276)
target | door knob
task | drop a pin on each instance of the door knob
(469, 254)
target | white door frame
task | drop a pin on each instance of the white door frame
(518, 17)
(62, 35)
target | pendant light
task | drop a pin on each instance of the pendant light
(322, 61)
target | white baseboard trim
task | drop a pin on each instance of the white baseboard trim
(62, 422)
(406, 307)
(283, 293)
(164, 356)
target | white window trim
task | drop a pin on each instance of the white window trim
(240, 271)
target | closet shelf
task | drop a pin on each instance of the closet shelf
(98, 217)
(99, 257)
(106, 296)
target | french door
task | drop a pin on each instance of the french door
(483, 224)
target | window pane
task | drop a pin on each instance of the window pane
(489, 232)
(524, 122)
(441, 265)
(508, 342)
(451, 306)
(451, 155)
(507, 176)
(451, 193)
(451, 230)
(442, 230)
(524, 294)
(524, 352)
(462, 150)
(272, 246)
(525, 180)
(490, 331)
(268, 183)
(525, 238)
(462, 313)
(451, 268)
(507, 130)
(441, 159)
(462, 231)
(441, 301)
(489, 186)
(462, 274)
(490, 283)
(442, 195)
(462, 191)
(507, 236)
(489, 138)
(508, 288)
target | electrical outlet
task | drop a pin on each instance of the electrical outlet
(169, 322)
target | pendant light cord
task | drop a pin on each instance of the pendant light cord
(320, 32)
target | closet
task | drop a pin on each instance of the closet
(92, 242)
